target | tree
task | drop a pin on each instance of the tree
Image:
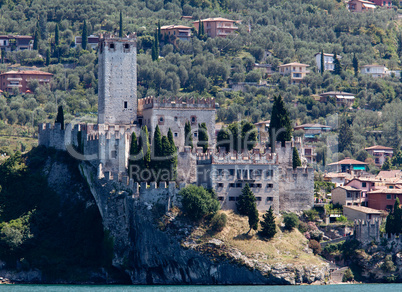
(246, 201)
(188, 135)
(355, 65)
(337, 65)
(172, 154)
(253, 218)
(36, 40)
(165, 164)
(47, 57)
(56, 35)
(203, 137)
(296, 158)
(248, 135)
(60, 117)
(197, 202)
(42, 25)
(397, 159)
(322, 62)
(291, 221)
(387, 165)
(121, 26)
(345, 137)
(223, 139)
(218, 222)
(393, 224)
(134, 150)
(84, 41)
(268, 225)
(280, 128)
(146, 149)
(348, 276)
(159, 31)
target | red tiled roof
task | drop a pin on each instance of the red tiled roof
(28, 72)
(379, 147)
(175, 26)
(386, 191)
(348, 161)
(295, 64)
(389, 174)
(214, 19)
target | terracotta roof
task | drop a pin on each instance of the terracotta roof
(373, 66)
(337, 93)
(362, 209)
(175, 26)
(379, 147)
(348, 188)
(366, 179)
(337, 174)
(263, 122)
(294, 64)
(214, 19)
(389, 174)
(348, 161)
(28, 72)
(312, 125)
(386, 191)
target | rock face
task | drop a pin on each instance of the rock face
(151, 256)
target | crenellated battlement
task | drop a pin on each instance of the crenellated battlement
(366, 231)
(175, 102)
(240, 158)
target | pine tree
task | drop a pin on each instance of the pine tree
(246, 201)
(84, 41)
(355, 65)
(47, 57)
(296, 159)
(268, 225)
(36, 40)
(60, 117)
(203, 137)
(253, 218)
(56, 35)
(280, 128)
(188, 135)
(322, 62)
(121, 26)
(345, 137)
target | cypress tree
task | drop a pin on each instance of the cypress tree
(246, 201)
(60, 117)
(355, 65)
(165, 164)
(158, 154)
(345, 137)
(42, 25)
(172, 155)
(280, 128)
(337, 65)
(248, 135)
(84, 41)
(159, 31)
(253, 218)
(145, 148)
(203, 137)
(47, 57)
(322, 62)
(36, 40)
(121, 26)
(188, 135)
(56, 35)
(171, 140)
(397, 217)
(223, 139)
(387, 165)
(296, 158)
(134, 149)
(268, 225)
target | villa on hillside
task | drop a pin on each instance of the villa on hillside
(217, 27)
(380, 153)
(341, 98)
(348, 165)
(383, 3)
(312, 131)
(297, 71)
(180, 32)
(10, 43)
(361, 6)
(93, 41)
(328, 61)
(384, 199)
(375, 70)
(20, 79)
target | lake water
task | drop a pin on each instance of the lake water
(88, 288)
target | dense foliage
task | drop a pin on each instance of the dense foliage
(198, 202)
(268, 224)
(291, 221)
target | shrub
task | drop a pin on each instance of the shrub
(342, 219)
(291, 221)
(388, 264)
(218, 222)
(315, 246)
(311, 214)
(303, 227)
(348, 276)
(316, 235)
(197, 202)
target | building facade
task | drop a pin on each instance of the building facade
(217, 27)
(380, 153)
(20, 79)
(180, 32)
(375, 70)
(361, 213)
(328, 61)
(297, 71)
(346, 196)
(93, 41)
(10, 43)
(361, 6)
(384, 199)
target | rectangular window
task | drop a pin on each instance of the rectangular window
(270, 199)
(239, 185)
(268, 173)
(232, 185)
(220, 185)
(394, 197)
(176, 134)
(364, 184)
(270, 186)
(348, 194)
(232, 199)
(125, 104)
(259, 186)
(258, 199)
(389, 197)
(195, 134)
(220, 198)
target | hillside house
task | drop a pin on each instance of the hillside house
(328, 61)
(10, 43)
(383, 3)
(20, 79)
(217, 27)
(348, 165)
(360, 212)
(365, 185)
(338, 178)
(93, 41)
(361, 6)
(380, 153)
(263, 130)
(266, 69)
(375, 70)
(341, 99)
(180, 32)
(297, 71)
(312, 131)
(346, 196)
(384, 199)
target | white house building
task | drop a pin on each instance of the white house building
(328, 61)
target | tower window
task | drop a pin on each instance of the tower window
(125, 104)
(161, 120)
(175, 119)
(111, 46)
(176, 134)
(126, 46)
(193, 119)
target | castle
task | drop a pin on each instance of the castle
(106, 144)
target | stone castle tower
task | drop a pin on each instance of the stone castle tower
(117, 81)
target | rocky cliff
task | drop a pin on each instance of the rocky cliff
(150, 255)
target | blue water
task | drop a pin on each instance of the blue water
(86, 288)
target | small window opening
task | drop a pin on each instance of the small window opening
(125, 104)
(111, 46)
(126, 46)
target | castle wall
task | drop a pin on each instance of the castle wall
(53, 135)
(186, 166)
(117, 81)
(367, 231)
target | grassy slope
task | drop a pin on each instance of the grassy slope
(286, 247)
